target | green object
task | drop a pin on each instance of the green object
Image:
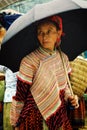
(6, 117)
(85, 96)
(2, 88)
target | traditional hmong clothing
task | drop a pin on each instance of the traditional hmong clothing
(42, 92)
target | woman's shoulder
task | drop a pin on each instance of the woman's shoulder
(31, 57)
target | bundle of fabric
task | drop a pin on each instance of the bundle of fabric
(78, 76)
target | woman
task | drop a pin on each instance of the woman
(42, 90)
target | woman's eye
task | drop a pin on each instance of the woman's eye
(40, 33)
(49, 31)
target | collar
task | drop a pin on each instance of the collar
(47, 51)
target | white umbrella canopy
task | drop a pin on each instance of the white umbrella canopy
(38, 12)
(81, 3)
(20, 39)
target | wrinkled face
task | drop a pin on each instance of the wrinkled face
(47, 35)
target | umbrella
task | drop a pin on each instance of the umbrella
(20, 39)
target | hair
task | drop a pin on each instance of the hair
(48, 21)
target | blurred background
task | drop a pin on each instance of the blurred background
(21, 6)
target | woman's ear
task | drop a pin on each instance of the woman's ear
(59, 34)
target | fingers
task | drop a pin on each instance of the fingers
(74, 101)
(16, 128)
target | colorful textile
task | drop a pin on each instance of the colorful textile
(31, 62)
(48, 79)
(35, 66)
(47, 83)
(15, 110)
(59, 118)
(30, 116)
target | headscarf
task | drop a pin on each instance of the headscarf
(58, 20)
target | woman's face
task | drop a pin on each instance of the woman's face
(47, 35)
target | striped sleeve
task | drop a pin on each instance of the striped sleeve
(18, 101)
(27, 70)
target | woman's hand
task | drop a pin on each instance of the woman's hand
(16, 128)
(74, 101)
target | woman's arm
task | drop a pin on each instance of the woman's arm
(18, 101)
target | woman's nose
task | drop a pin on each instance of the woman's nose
(45, 35)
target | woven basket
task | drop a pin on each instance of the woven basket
(78, 76)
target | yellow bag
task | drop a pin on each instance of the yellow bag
(78, 76)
